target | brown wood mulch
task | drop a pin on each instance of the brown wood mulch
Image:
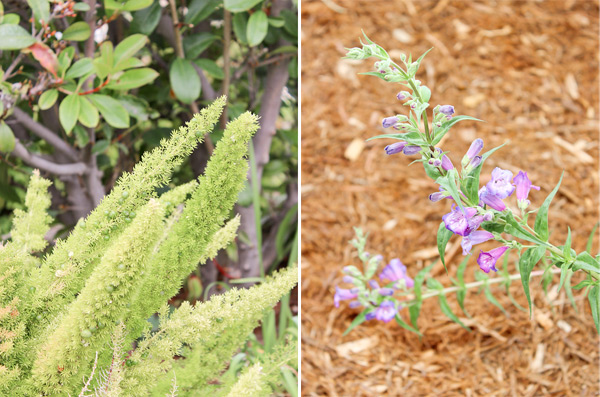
(530, 70)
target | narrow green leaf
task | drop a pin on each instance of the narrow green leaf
(14, 37)
(590, 242)
(569, 291)
(79, 31)
(286, 227)
(357, 321)
(443, 236)
(64, 59)
(448, 312)
(404, 325)
(48, 99)
(68, 112)
(113, 112)
(240, 5)
(133, 79)
(256, 31)
(564, 270)
(526, 263)
(541, 220)
(462, 292)
(185, 81)
(594, 299)
(128, 48)
(415, 309)
(7, 138)
(88, 114)
(490, 297)
(472, 180)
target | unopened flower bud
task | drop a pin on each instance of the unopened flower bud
(348, 279)
(373, 284)
(395, 147)
(410, 150)
(446, 163)
(386, 291)
(402, 95)
(447, 110)
(390, 121)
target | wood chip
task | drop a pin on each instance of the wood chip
(354, 150)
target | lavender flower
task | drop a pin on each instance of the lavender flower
(462, 223)
(390, 121)
(448, 110)
(474, 163)
(437, 196)
(370, 315)
(523, 185)
(402, 95)
(446, 163)
(373, 284)
(395, 147)
(386, 291)
(348, 279)
(476, 237)
(500, 185)
(386, 311)
(474, 149)
(410, 150)
(487, 260)
(354, 304)
(395, 271)
(342, 294)
(435, 162)
(491, 199)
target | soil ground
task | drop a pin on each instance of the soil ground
(530, 70)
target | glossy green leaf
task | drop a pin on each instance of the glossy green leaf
(126, 5)
(81, 136)
(129, 63)
(64, 59)
(135, 106)
(128, 48)
(196, 44)
(541, 220)
(47, 99)
(41, 10)
(14, 37)
(240, 5)
(291, 22)
(81, 6)
(146, 20)
(199, 10)
(211, 68)
(68, 112)
(133, 78)
(357, 321)
(7, 138)
(80, 68)
(276, 22)
(185, 81)
(240, 23)
(100, 146)
(256, 30)
(113, 112)
(526, 263)
(11, 19)
(443, 236)
(103, 65)
(79, 31)
(594, 299)
(88, 114)
(286, 49)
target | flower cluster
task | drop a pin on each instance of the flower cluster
(378, 301)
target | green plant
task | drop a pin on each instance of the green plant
(59, 313)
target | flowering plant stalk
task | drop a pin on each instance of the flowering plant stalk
(477, 214)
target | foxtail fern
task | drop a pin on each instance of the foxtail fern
(61, 313)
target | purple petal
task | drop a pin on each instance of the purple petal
(395, 147)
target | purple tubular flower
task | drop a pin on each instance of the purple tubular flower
(342, 294)
(395, 147)
(410, 150)
(390, 121)
(500, 185)
(475, 148)
(370, 316)
(354, 304)
(395, 271)
(475, 162)
(437, 196)
(386, 311)
(401, 96)
(446, 163)
(523, 185)
(448, 110)
(476, 237)
(491, 199)
(458, 222)
(373, 284)
(487, 260)
(348, 279)
(386, 291)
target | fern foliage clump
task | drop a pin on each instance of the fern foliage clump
(74, 321)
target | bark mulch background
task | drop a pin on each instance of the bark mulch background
(530, 70)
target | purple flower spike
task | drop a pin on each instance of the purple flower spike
(390, 121)
(373, 284)
(448, 110)
(500, 185)
(386, 311)
(386, 291)
(458, 222)
(491, 200)
(475, 148)
(487, 260)
(476, 237)
(523, 186)
(342, 294)
(395, 147)
(446, 163)
(410, 150)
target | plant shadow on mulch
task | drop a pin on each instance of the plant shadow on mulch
(530, 70)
